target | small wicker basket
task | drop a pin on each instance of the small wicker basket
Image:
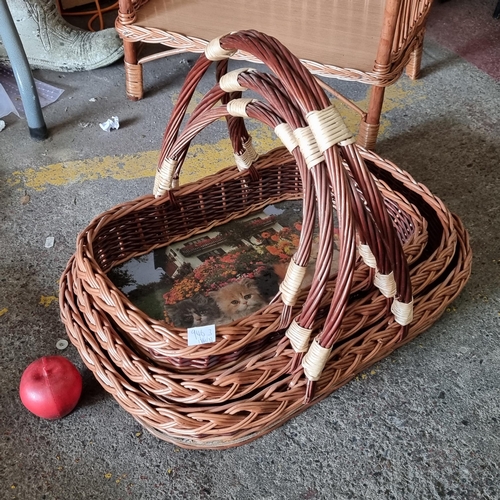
(403, 258)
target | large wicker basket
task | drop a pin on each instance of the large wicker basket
(403, 259)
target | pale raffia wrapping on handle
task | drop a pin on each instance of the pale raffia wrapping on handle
(298, 336)
(290, 286)
(329, 128)
(164, 176)
(245, 160)
(238, 107)
(308, 146)
(367, 255)
(229, 81)
(286, 136)
(403, 312)
(315, 360)
(214, 52)
(385, 283)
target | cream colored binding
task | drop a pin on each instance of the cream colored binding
(290, 286)
(238, 107)
(214, 52)
(315, 360)
(164, 176)
(298, 336)
(367, 255)
(386, 284)
(285, 134)
(308, 146)
(229, 81)
(248, 157)
(329, 128)
(403, 312)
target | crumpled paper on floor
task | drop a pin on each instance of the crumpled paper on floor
(10, 97)
(112, 124)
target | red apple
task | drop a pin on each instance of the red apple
(50, 387)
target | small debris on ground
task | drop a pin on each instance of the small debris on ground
(46, 300)
(112, 123)
(49, 242)
(62, 344)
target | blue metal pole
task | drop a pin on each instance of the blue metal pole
(22, 72)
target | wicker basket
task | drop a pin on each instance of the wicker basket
(412, 259)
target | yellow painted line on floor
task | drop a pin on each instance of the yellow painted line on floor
(203, 159)
(120, 167)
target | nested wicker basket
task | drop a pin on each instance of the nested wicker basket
(403, 259)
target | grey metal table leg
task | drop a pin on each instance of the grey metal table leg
(22, 72)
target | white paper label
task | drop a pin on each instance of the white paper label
(201, 335)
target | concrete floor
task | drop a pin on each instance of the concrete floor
(422, 424)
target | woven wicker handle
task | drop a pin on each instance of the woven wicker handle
(329, 163)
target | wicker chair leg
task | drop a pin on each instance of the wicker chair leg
(133, 72)
(367, 135)
(413, 66)
(369, 126)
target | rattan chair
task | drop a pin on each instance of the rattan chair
(369, 41)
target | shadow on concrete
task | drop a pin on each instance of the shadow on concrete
(460, 166)
(92, 392)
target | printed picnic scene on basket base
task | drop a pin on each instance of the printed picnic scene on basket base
(219, 276)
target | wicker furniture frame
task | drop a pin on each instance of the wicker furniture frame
(370, 42)
(413, 259)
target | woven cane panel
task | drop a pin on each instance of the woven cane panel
(344, 34)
